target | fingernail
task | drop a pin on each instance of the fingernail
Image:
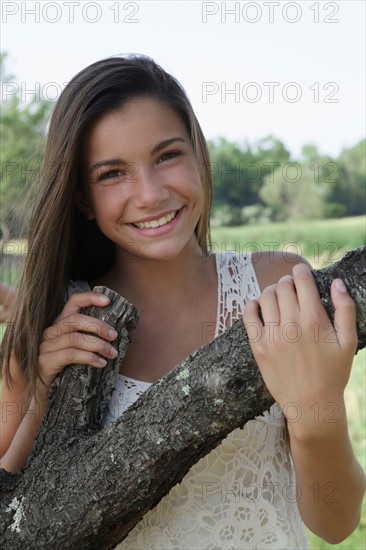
(103, 299)
(286, 278)
(102, 361)
(112, 333)
(113, 352)
(341, 287)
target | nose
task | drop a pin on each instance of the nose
(150, 190)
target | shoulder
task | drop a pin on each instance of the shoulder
(271, 266)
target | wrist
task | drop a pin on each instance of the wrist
(42, 391)
(319, 421)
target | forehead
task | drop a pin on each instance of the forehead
(138, 125)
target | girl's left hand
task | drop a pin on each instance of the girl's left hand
(305, 361)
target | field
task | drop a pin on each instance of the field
(321, 242)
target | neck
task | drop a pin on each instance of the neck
(149, 283)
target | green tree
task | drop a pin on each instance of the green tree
(295, 190)
(23, 134)
(239, 174)
(309, 152)
(346, 192)
(270, 150)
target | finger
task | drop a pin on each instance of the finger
(80, 322)
(307, 291)
(77, 340)
(78, 300)
(287, 298)
(344, 316)
(70, 356)
(252, 321)
(269, 306)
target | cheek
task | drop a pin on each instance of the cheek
(193, 192)
(196, 186)
(108, 203)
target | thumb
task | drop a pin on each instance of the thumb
(344, 316)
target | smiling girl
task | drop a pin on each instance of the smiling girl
(125, 203)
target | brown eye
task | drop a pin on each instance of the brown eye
(112, 175)
(169, 155)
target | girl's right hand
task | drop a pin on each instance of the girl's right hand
(64, 342)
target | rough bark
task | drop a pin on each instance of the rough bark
(85, 487)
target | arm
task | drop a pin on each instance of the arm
(62, 344)
(18, 426)
(331, 479)
(304, 360)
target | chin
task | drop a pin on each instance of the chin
(158, 253)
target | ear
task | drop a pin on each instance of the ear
(83, 204)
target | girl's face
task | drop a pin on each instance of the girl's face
(143, 189)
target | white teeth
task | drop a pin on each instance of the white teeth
(157, 223)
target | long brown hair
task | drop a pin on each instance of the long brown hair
(62, 243)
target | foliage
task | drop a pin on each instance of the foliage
(350, 189)
(277, 187)
(22, 128)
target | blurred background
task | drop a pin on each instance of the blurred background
(279, 90)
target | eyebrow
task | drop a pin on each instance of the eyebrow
(119, 161)
(110, 162)
(165, 143)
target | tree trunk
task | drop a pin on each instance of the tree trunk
(85, 487)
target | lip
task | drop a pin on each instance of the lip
(156, 231)
(157, 216)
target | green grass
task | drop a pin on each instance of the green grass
(320, 241)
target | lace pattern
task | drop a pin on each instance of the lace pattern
(237, 284)
(243, 494)
(126, 391)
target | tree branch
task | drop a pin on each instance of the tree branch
(87, 487)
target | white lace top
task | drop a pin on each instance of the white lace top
(243, 494)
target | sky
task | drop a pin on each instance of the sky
(295, 70)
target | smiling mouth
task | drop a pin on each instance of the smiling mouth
(157, 223)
